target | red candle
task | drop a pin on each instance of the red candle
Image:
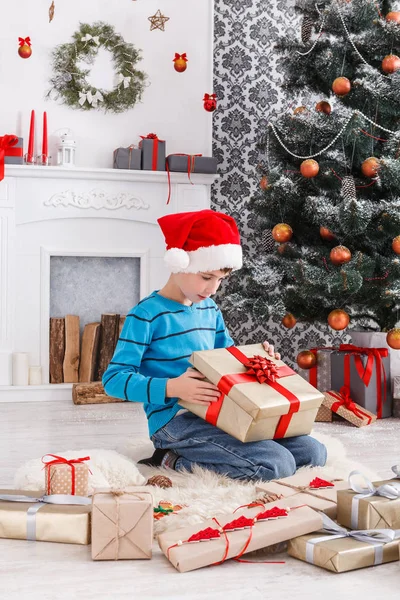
(44, 142)
(31, 143)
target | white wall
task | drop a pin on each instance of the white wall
(172, 104)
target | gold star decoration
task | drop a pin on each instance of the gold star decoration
(51, 12)
(158, 21)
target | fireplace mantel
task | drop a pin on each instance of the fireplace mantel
(49, 211)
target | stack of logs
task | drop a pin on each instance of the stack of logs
(83, 364)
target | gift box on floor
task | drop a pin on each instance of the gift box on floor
(375, 506)
(324, 415)
(66, 476)
(28, 515)
(191, 163)
(231, 536)
(128, 158)
(342, 405)
(122, 524)
(308, 487)
(366, 373)
(262, 398)
(153, 153)
(320, 375)
(337, 549)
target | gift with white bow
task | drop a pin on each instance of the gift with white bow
(369, 505)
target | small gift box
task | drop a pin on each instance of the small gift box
(375, 506)
(122, 524)
(32, 516)
(343, 405)
(66, 476)
(128, 158)
(231, 536)
(366, 373)
(324, 415)
(337, 549)
(320, 375)
(191, 163)
(153, 153)
(261, 398)
(11, 152)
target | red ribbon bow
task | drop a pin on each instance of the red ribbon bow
(344, 399)
(60, 460)
(191, 160)
(262, 368)
(209, 97)
(23, 41)
(6, 143)
(180, 57)
(150, 136)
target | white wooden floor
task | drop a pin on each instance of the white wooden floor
(56, 571)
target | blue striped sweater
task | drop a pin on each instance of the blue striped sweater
(156, 342)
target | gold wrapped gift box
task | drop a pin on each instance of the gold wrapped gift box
(250, 410)
(370, 512)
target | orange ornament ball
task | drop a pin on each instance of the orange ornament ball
(393, 338)
(25, 51)
(324, 106)
(341, 86)
(289, 321)
(340, 255)
(299, 110)
(326, 234)
(396, 244)
(306, 359)
(264, 182)
(309, 168)
(391, 63)
(338, 319)
(282, 232)
(180, 65)
(370, 167)
(393, 16)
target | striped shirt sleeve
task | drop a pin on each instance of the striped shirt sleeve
(222, 337)
(122, 378)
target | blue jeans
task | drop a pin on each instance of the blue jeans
(197, 442)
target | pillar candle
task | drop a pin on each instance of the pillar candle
(20, 368)
(35, 375)
(5, 368)
(44, 141)
(31, 142)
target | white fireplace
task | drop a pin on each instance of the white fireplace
(47, 212)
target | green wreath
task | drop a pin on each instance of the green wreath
(70, 84)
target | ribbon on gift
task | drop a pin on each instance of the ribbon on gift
(39, 503)
(227, 382)
(313, 372)
(374, 356)
(156, 141)
(25, 41)
(7, 143)
(376, 537)
(344, 399)
(391, 491)
(190, 168)
(60, 460)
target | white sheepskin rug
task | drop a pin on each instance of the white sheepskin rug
(202, 493)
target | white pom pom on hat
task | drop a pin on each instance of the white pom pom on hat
(176, 259)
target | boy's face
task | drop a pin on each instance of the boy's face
(199, 286)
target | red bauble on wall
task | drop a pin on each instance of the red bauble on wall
(282, 232)
(370, 167)
(306, 359)
(340, 255)
(309, 168)
(25, 50)
(210, 102)
(180, 62)
(338, 319)
(341, 86)
(391, 63)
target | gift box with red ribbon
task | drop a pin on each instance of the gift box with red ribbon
(365, 372)
(341, 404)
(261, 399)
(11, 152)
(153, 152)
(66, 476)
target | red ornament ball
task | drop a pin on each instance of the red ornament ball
(326, 234)
(393, 338)
(340, 255)
(309, 168)
(391, 63)
(306, 359)
(338, 319)
(370, 167)
(323, 106)
(289, 321)
(341, 86)
(396, 244)
(393, 16)
(180, 62)
(25, 50)
(282, 232)
(264, 182)
(210, 102)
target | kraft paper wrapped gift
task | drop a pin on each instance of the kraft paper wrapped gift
(191, 163)
(324, 415)
(122, 524)
(66, 476)
(336, 549)
(28, 515)
(341, 404)
(247, 409)
(375, 506)
(188, 555)
(128, 158)
(153, 153)
(366, 373)
(308, 487)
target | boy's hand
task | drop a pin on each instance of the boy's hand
(191, 388)
(271, 350)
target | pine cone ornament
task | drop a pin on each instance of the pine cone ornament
(160, 481)
(348, 188)
(306, 29)
(267, 241)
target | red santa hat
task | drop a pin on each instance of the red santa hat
(204, 240)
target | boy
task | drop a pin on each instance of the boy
(150, 363)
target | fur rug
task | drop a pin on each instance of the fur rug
(204, 494)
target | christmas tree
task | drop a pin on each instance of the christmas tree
(327, 211)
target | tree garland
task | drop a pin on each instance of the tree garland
(69, 82)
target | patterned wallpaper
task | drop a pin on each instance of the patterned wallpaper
(247, 77)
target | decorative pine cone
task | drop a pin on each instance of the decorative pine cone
(160, 481)
(306, 29)
(348, 190)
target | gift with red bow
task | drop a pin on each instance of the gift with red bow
(11, 152)
(342, 404)
(153, 152)
(66, 476)
(261, 397)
